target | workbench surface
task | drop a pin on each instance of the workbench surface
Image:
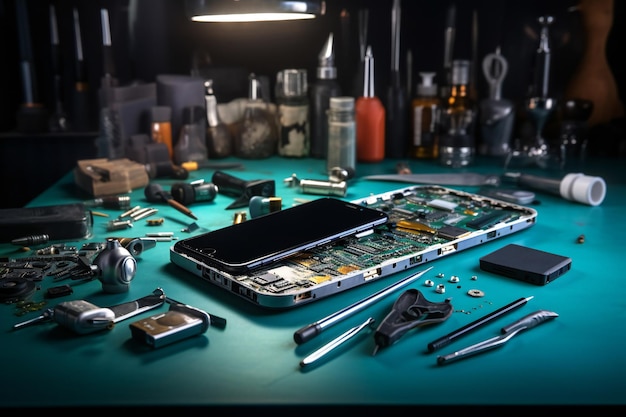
(576, 359)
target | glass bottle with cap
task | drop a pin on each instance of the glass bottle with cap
(293, 113)
(256, 133)
(424, 121)
(458, 120)
(341, 134)
(191, 143)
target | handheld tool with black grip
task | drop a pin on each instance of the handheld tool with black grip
(410, 310)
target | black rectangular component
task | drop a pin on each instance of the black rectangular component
(59, 291)
(526, 264)
(59, 222)
(485, 220)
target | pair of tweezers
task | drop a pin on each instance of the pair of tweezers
(526, 322)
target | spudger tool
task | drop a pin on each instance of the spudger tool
(309, 331)
(526, 322)
(410, 310)
(335, 343)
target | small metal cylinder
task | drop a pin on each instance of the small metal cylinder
(324, 187)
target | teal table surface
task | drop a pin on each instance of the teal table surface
(576, 359)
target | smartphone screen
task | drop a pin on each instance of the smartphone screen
(241, 247)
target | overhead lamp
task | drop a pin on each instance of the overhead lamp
(253, 10)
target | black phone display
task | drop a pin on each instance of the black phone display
(241, 247)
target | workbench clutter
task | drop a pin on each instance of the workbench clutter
(102, 177)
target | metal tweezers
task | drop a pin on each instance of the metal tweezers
(526, 322)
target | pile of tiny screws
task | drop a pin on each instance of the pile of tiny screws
(59, 262)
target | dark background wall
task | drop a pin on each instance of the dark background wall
(152, 37)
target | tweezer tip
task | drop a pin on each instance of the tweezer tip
(375, 350)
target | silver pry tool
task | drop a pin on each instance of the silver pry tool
(335, 343)
(526, 322)
(308, 332)
(83, 317)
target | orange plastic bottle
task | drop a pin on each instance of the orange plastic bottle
(370, 118)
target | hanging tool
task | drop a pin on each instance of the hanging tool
(363, 16)
(448, 49)
(495, 68)
(410, 310)
(58, 118)
(473, 87)
(396, 106)
(526, 322)
(370, 117)
(81, 106)
(32, 116)
(496, 114)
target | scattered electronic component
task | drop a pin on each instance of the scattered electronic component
(59, 291)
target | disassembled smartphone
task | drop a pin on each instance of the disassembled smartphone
(424, 223)
(242, 247)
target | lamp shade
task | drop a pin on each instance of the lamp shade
(252, 10)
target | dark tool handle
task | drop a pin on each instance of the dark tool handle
(396, 138)
(228, 184)
(306, 333)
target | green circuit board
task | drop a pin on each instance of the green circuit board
(422, 220)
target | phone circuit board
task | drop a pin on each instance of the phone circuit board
(425, 223)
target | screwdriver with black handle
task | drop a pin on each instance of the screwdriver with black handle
(396, 106)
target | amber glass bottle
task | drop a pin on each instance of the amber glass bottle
(424, 119)
(457, 120)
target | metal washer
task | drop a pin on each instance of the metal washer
(475, 293)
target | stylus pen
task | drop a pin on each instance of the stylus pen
(447, 339)
(310, 331)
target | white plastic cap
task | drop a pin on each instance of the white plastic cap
(427, 87)
(583, 189)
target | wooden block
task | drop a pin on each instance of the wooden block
(102, 176)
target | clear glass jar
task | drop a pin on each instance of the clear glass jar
(341, 134)
(256, 132)
(458, 119)
(293, 113)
